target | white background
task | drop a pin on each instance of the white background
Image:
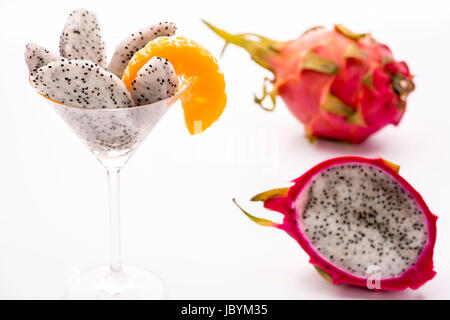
(178, 218)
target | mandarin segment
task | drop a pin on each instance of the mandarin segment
(205, 100)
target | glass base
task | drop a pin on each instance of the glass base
(133, 283)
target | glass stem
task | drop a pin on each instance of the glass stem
(114, 220)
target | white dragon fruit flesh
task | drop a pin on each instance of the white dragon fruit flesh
(37, 56)
(136, 41)
(81, 83)
(155, 81)
(81, 38)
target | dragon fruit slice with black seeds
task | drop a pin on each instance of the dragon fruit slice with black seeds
(81, 38)
(136, 41)
(37, 56)
(155, 81)
(81, 83)
(354, 216)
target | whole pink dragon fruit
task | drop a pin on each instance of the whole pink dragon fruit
(339, 84)
(359, 222)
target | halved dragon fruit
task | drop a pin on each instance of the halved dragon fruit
(356, 218)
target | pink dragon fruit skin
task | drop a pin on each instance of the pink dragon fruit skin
(283, 201)
(340, 85)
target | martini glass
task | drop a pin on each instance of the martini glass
(113, 135)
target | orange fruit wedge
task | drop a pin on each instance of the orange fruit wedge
(204, 101)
